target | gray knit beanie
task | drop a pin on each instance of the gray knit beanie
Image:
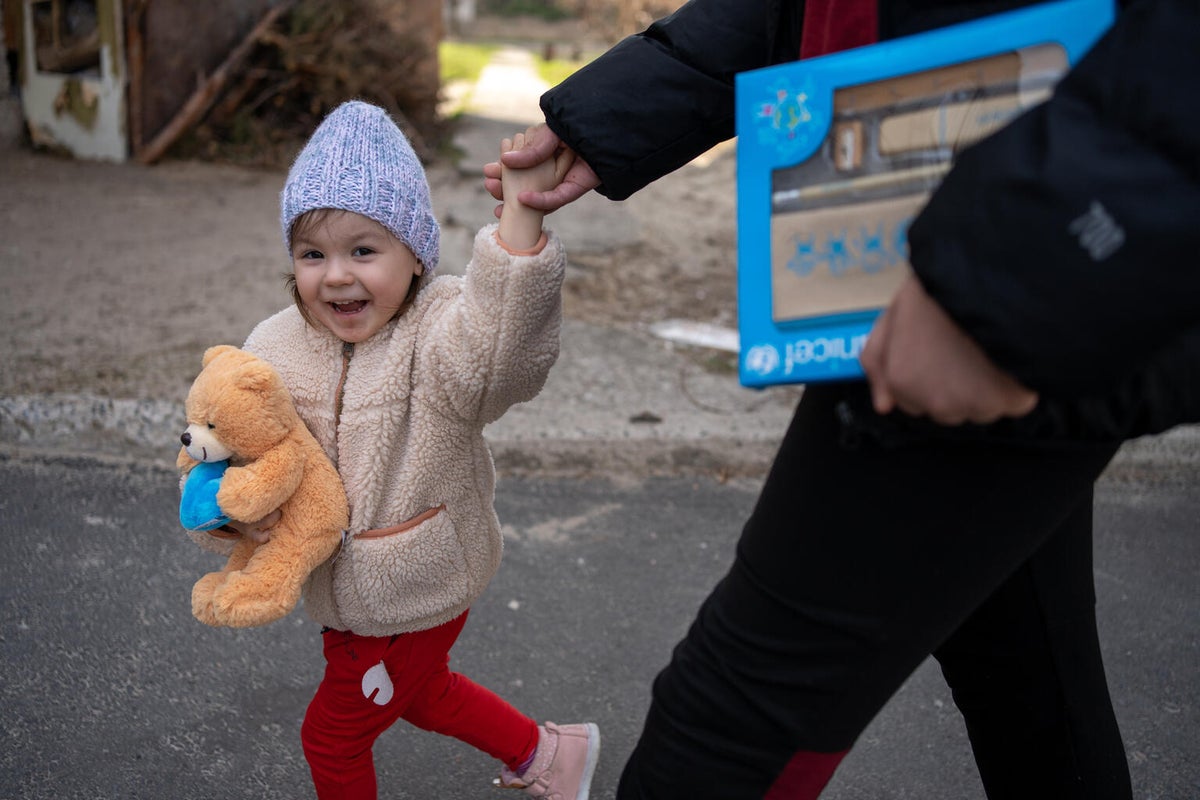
(358, 160)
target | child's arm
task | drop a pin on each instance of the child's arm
(521, 225)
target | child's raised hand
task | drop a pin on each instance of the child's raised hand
(540, 177)
(521, 225)
(542, 144)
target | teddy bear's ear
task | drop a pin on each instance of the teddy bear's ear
(213, 352)
(256, 376)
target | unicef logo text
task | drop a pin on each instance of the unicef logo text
(822, 349)
(764, 359)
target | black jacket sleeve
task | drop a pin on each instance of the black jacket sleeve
(661, 97)
(1067, 243)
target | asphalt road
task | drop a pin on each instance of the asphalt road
(111, 690)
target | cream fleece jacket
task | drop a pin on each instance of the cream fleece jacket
(424, 539)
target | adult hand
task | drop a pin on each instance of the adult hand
(542, 144)
(918, 360)
(259, 531)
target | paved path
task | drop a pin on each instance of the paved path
(508, 87)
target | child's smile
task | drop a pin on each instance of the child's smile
(352, 274)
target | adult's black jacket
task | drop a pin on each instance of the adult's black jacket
(1110, 337)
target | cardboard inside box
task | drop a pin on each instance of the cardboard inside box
(839, 219)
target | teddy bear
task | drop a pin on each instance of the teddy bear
(252, 454)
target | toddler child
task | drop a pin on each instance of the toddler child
(396, 373)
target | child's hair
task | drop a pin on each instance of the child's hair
(305, 224)
(358, 160)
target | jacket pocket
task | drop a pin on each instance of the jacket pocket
(393, 576)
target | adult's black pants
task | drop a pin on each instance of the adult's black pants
(864, 555)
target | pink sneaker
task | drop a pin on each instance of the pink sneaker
(562, 765)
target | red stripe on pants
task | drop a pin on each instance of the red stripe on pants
(804, 776)
(341, 725)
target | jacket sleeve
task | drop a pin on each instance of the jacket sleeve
(661, 97)
(492, 343)
(1066, 244)
(1163, 394)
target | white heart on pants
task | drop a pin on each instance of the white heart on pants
(377, 682)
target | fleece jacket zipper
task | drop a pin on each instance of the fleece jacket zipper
(347, 354)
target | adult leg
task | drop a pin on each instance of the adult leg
(1028, 677)
(856, 563)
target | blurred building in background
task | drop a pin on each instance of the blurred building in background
(119, 79)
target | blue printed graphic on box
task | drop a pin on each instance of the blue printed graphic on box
(785, 123)
(838, 154)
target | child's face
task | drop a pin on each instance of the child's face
(352, 275)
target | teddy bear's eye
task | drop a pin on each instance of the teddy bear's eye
(211, 426)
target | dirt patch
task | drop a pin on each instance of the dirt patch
(684, 265)
(120, 275)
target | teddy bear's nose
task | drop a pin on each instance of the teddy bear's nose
(186, 439)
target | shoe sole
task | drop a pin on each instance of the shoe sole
(589, 765)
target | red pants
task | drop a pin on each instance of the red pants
(356, 702)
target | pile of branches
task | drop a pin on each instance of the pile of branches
(311, 57)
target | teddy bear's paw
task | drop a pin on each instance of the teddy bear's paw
(240, 500)
(202, 598)
(204, 613)
(244, 601)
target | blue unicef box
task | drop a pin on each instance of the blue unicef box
(838, 154)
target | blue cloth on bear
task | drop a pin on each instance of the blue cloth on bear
(198, 509)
